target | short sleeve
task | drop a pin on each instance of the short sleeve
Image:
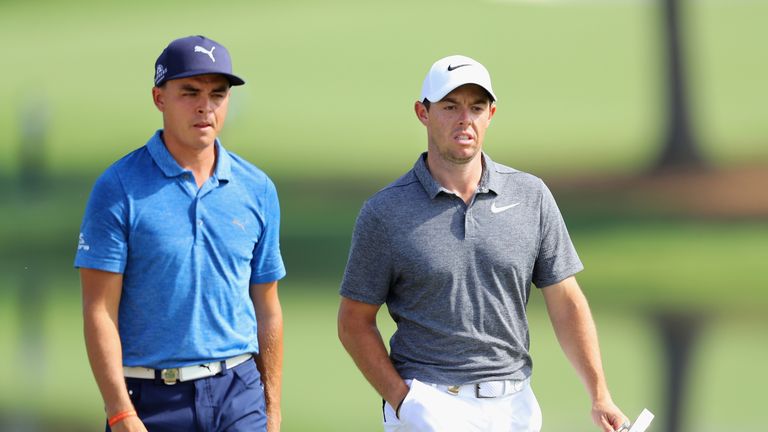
(368, 273)
(557, 258)
(103, 238)
(267, 262)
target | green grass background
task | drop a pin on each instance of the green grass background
(327, 112)
(331, 84)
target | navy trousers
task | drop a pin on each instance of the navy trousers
(232, 401)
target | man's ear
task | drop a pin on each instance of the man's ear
(421, 112)
(158, 97)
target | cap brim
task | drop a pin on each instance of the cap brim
(234, 80)
(443, 92)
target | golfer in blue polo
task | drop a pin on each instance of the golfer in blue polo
(179, 260)
(452, 247)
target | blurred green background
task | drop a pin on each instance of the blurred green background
(327, 113)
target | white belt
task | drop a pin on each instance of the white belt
(483, 390)
(186, 373)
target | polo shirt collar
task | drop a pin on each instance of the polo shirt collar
(171, 168)
(223, 170)
(425, 177)
(489, 179)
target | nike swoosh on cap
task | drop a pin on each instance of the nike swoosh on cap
(452, 68)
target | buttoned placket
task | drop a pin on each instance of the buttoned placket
(458, 203)
(198, 209)
(470, 221)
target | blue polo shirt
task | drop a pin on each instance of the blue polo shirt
(187, 255)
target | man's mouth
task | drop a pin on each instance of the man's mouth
(464, 138)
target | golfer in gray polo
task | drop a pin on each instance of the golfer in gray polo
(452, 247)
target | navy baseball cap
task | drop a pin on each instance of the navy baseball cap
(191, 56)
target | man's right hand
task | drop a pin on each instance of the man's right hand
(362, 340)
(397, 401)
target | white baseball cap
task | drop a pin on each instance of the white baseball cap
(451, 72)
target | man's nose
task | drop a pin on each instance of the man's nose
(206, 105)
(465, 116)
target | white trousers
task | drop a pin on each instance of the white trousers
(428, 409)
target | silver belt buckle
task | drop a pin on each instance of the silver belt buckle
(477, 392)
(496, 392)
(170, 376)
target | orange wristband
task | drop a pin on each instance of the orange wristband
(122, 415)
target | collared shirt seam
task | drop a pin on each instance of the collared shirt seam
(127, 220)
(541, 220)
(388, 246)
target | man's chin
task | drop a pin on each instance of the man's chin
(461, 159)
(205, 140)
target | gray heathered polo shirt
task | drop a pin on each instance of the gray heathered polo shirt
(456, 278)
